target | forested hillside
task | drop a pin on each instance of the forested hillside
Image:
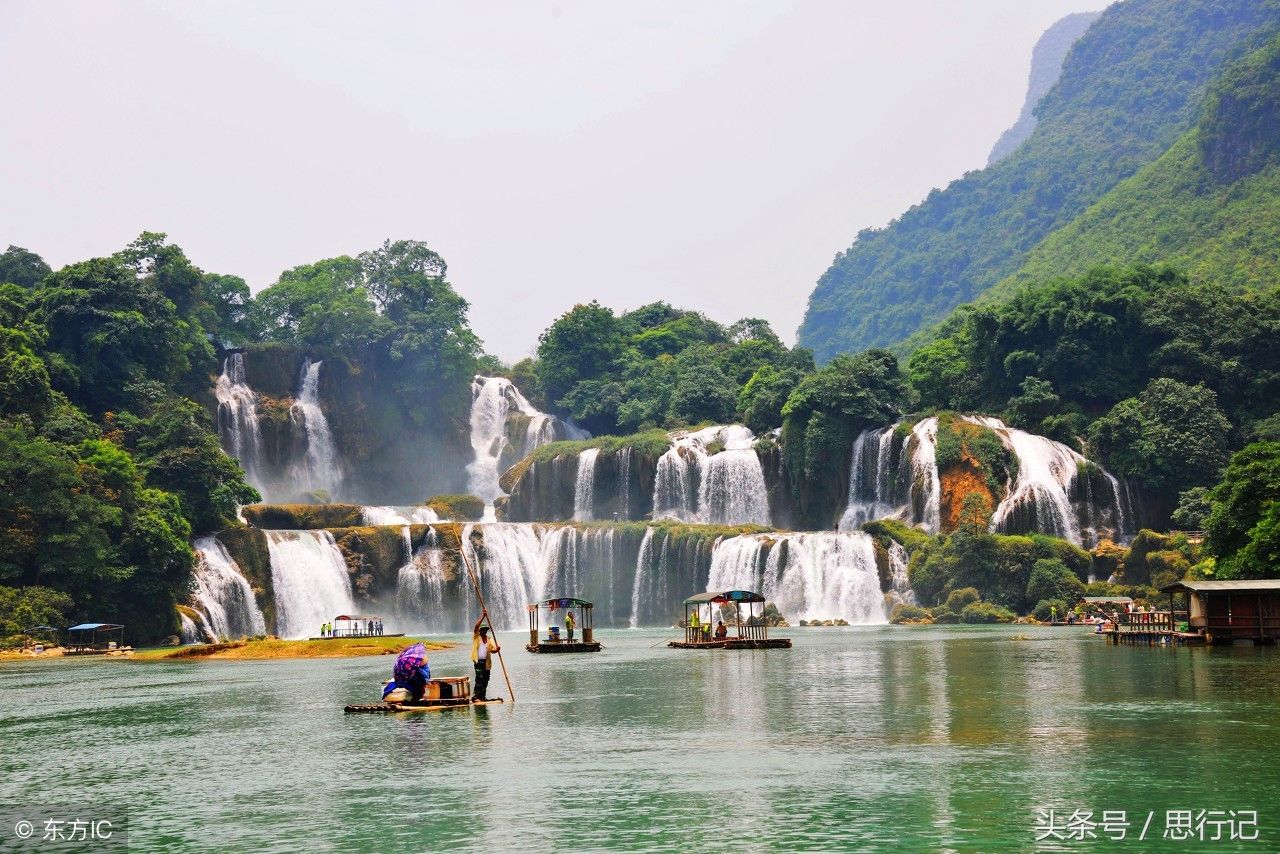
(1130, 87)
(1210, 205)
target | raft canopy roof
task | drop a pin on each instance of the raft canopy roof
(724, 596)
(87, 627)
(1257, 585)
(562, 602)
(357, 617)
(1108, 600)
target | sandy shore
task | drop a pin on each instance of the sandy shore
(274, 648)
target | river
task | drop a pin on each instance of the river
(876, 738)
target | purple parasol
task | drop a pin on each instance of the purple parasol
(408, 662)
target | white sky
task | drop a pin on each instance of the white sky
(713, 154)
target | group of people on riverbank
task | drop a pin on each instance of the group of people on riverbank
(369, 629)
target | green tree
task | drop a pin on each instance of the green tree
(1243, 530)
(108, 329)
(1051, 579)
(22, 268)
(1172, 436)
(585, 343)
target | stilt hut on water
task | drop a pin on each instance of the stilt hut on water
(1227, 611)
(701, 615)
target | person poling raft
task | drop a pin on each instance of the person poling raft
(412, 688)
(411, 675)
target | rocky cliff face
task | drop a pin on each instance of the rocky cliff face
(1046, 66)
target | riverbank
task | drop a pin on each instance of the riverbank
(276, 648)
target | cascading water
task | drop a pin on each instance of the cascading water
(638, 585)
(421, 589)
(926, 487)
(310, 581)
(223, 594)
(238, 429)
(822, 576)
(319, 469)
(899, 561)
(385, 515)
(192, 632)
(909, 489)
(872, 493)
(493, 401)
(1040, 499)
(513, 568)
(584, 485)
(727, 487)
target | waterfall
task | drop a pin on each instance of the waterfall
(493, 401)
(1041, 498)
(310, 581)
(513, 568)
(584, 485)
(926, 488)
(871, 479)
(821, 576)
(638, 584)
(319, 470)
(384, 515)
(420, 589)
(223, 594)
(238, 418)
(726, 487)
(191, 632)
(899, 562)
(623, 456)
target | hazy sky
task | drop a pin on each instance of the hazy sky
(716, 155)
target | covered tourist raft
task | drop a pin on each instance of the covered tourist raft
(577, 616)
(706, 626)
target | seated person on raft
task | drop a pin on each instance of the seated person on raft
(722, 631)
(401, 689)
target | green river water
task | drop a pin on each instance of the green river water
(870, 739)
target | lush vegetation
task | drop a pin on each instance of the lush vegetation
(1129, 88)
(107, 462)
(658, 366)
(1210, 204)
(1243, 526)
(1160, 376)
(391, 308)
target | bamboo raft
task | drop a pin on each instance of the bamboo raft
(734, 643)
(563, 646)
(421, 706)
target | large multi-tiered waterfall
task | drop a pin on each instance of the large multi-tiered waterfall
(238, 427)
(712, 475)
(894, 474)
(319, 470)
(223, 595)
(504, 428)
(309, 579)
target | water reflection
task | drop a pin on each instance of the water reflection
(871, 738)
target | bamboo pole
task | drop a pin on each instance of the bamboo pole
(484, 615)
